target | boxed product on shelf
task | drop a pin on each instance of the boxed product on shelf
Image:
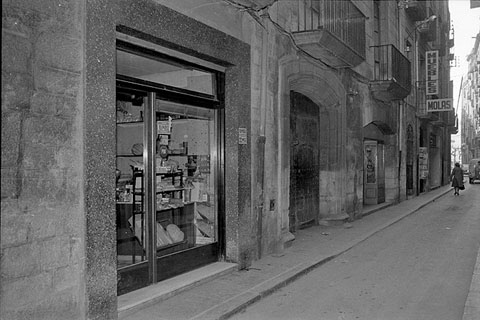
(125, 195)
(163, 184)
(164, 127)
(126, 111)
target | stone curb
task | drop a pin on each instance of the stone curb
(472, 304)
(241, 301)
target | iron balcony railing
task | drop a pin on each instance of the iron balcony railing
(392, 65)
(341, 18)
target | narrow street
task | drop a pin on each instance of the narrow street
(417, 269)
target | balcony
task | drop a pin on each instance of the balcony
(255, 4)
(431, 33)
(451, 43)
(440, 119)
(392, 78)
(332, 31)
(432, 117)
(453, 130)
(415, 9)
(441, 44)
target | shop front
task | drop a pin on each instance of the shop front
(169, 116)
(164, 190)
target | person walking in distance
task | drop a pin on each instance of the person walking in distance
(477, 171)
(457, 179)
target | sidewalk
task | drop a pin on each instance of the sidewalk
(472, 305)
(222, 296)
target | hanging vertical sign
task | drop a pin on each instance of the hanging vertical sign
(432, 72)
(423, 162)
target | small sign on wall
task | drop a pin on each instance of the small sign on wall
(242, 136)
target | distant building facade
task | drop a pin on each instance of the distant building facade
(470, 97)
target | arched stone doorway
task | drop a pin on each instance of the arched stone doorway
(325, 90)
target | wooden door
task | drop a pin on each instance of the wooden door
(370, 180)
(381, 172)
(304, 166)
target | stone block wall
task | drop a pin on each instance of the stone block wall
(42, 230)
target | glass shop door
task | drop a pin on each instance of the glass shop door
(132, 260)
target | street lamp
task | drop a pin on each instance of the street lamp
(418, 25)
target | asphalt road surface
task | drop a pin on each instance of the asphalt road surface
(417, 269)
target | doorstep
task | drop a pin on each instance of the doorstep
(371, 208)
(142, 298)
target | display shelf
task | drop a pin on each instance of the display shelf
(174, 212)
(170, 174)
(178, 152)
(176, 184)
(128, 123)
(170, 208)
(172, 245)
(128, 243)
(170, 190)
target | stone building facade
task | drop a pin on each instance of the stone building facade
(470, 97)
(320, 113)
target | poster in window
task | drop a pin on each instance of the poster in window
(370, 163)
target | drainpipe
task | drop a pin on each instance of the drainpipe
(400, 134)
(260, 145)
(400, 113)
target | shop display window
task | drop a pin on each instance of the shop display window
(184, 179)
(167, 177)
